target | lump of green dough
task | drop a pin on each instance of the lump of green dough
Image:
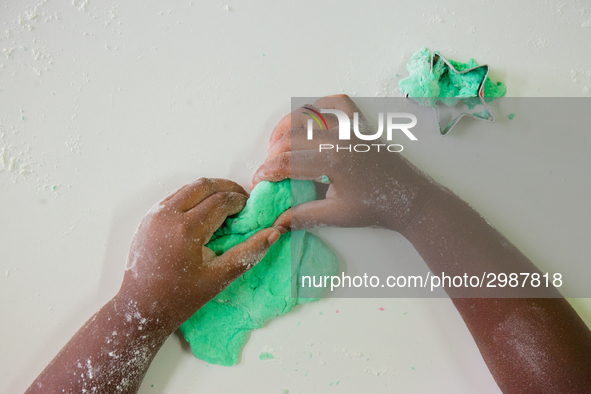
(217, 331)
(428, 86)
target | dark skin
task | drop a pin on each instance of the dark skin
(531, 345)
(169, 276)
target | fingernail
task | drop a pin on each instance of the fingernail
(273, 237)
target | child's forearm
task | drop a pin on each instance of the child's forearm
(109, 354)
(454, 239)
(531, 345)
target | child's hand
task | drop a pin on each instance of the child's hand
(169, 273)
(366, 189)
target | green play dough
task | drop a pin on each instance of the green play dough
(428, 86)
(218, 330)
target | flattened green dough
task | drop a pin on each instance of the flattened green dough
(443, 84)
(218, 330)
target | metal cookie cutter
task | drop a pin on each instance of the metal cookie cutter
(447, 119)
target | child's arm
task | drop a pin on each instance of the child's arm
(531, 345)
(169, 276)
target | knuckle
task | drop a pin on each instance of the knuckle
(203, 182)
(284, 161)
(286, 137)
(198, 184)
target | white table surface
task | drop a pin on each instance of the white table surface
(105, 107)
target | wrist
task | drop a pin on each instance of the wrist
(146, 315)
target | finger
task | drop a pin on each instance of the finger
(195, 192)
(283, 221)
(299, 119)
(342, 102)
(207, 254)
(209, 215)
(304, 165)
(171, 195)
(319, 213)
(297, 139)
(242, 257)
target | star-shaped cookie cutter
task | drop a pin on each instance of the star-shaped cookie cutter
(485, 115)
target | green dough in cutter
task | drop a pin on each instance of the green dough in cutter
(445, 85)
(217, 331)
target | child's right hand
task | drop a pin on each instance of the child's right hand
(170, 272)
(366, 189)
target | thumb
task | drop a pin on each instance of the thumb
(242, 257)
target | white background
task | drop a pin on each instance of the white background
(105, 107)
